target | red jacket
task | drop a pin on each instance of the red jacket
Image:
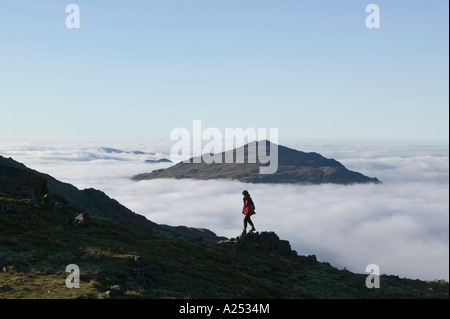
(249, 206)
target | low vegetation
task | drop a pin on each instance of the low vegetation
(117, 260)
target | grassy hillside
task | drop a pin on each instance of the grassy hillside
(119, 260)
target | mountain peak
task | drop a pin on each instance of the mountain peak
(293, 166)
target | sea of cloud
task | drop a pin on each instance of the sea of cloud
(401, 225)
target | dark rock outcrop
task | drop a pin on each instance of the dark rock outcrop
(266, 241)
(55, 199)
(82, 219)
(114, 291)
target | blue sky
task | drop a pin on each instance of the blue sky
(142, 68)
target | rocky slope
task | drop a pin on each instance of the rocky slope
(41, 232)
(293, 167)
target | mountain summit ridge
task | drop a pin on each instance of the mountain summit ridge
(294, 167)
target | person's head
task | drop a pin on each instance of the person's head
(245, 193)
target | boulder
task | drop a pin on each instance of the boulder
(55, 199)
(114, 291)
(267, 241)
(82, 219)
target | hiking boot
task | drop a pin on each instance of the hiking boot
(252, 230)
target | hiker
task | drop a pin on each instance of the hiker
(248, 210)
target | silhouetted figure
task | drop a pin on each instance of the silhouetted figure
(248, 210)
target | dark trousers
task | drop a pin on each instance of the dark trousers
(248, 220)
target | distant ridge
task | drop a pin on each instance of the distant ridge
(111, 150)
(294, 167)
